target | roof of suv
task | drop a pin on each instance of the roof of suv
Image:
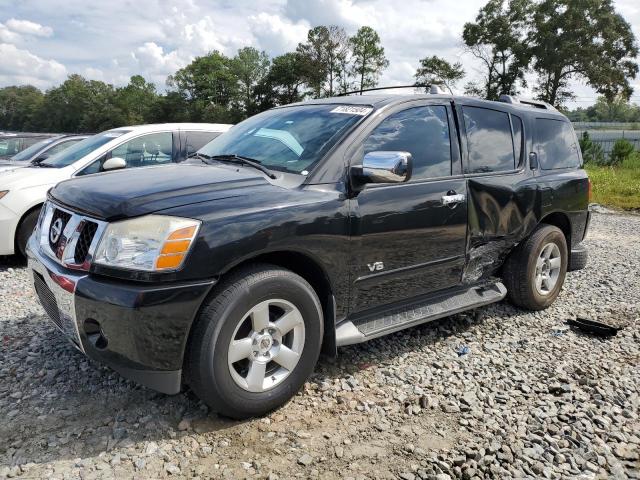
(383, 100)
(151, 127)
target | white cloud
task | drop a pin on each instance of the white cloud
(276, 34)
(23, 67)
(27, 27)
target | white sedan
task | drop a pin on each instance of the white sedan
(24, 190)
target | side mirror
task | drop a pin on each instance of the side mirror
(114, 163)
(387, 167)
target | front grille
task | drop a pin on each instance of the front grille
(84, 241)
(47, 299)
(64, 216)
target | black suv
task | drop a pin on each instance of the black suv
(308, 227)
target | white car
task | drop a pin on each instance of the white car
(24, 190)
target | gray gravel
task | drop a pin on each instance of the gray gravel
(530, 399)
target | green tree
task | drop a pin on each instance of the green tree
(19, 106)
(437, 71)
(136, 100)
(498, 38)
(368, 59)
(250, 66)
(80, 105)
(591, 152)
(622, 150)
(210, 88)
(323, 59)
(285, 81)
(581, 39)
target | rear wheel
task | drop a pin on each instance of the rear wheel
(25, 229)
(534, 272)
(255, 342)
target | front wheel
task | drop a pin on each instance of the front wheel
(534, 272)
(25, 229)
(255, 342)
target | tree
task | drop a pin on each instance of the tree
(250, 66)
(210, 88)
(498, 38)
(19, 107)
(583, 39)
(622, 150)
(437, 71)
(136, 100)
(592, 152)
(323, 59)
(368, 57)
(80, 105)
(285, 81)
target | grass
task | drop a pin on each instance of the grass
(617, 186)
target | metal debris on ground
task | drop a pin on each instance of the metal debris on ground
(596, 328)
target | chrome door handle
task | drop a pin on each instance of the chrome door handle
(448, 200)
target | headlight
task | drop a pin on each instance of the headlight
(151, 243)
(3, 193)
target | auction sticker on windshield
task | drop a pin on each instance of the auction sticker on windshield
(352, 110)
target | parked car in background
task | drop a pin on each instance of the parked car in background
(23, 190)
(12, 143)
(40, 151)
(307, 227)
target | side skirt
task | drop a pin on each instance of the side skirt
(351, 331)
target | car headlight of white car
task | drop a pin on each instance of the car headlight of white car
(149, 243)
(3, 193)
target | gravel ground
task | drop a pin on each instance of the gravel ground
(530, 399)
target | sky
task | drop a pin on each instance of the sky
(44, 41)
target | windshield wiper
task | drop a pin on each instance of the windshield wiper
(239, 159)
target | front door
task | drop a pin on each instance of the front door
(408, 240)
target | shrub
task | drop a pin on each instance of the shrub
(632, 162)
(622, 150)
(592, 153)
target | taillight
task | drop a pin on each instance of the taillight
(589, 189)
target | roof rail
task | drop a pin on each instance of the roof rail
(527, 102)
(433, 89)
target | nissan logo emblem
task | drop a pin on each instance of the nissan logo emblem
(56, 230)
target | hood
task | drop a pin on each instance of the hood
(27, 176)
(6, 165)
(140, 191)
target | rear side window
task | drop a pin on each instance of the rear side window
(557, 144)
(489, 140)
(196, 140)
(421, 131)
(518, 140)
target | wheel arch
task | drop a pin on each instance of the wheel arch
(27, 212)
(309, 269)
(560, 220)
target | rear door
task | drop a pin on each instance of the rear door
(407, 242)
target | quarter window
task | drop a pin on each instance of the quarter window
(421, 131)
(196, 140)
(557, 145)
(489, 140)
(516, 123)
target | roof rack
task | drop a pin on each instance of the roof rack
(433, 89)
(527, 102)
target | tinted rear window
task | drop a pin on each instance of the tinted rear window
(489, 140)
(557, 144)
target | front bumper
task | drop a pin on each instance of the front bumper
(138, 329)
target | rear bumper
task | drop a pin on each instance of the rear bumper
(139, 330)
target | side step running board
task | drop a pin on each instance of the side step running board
(357, 331)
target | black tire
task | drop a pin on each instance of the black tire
(520, 269)
(579, 258)
(208, 370)
(25, 229)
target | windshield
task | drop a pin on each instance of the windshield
(290, 139)
(80, 149)
(27, 153)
